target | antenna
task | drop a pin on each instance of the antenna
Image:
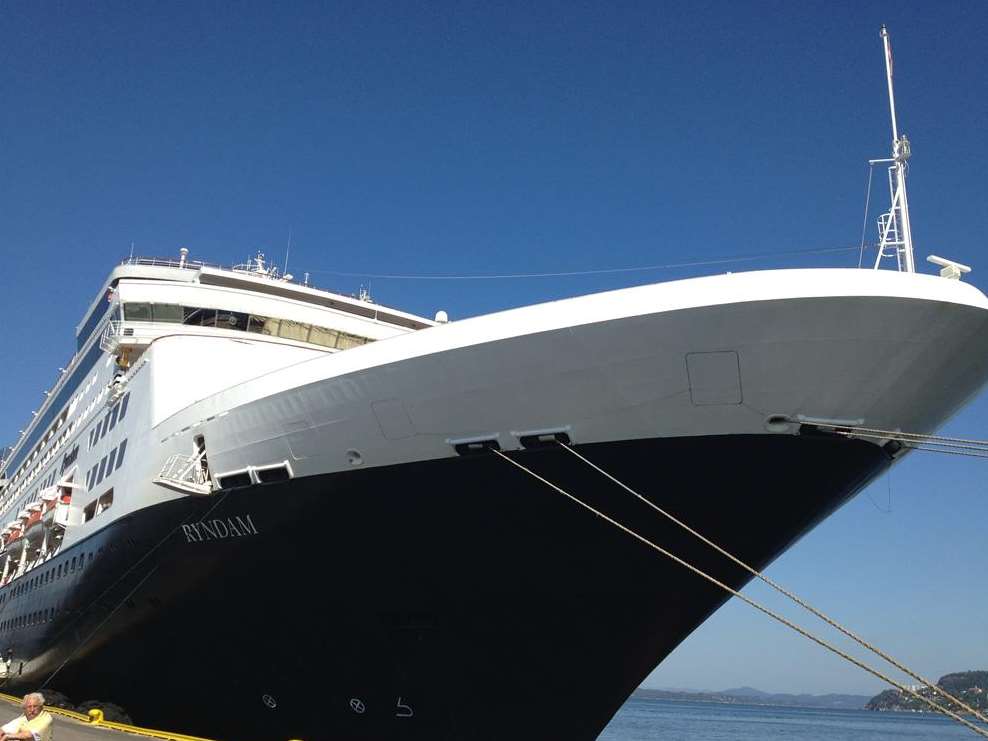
(894, 227)
(287, 250)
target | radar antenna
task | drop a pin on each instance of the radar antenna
(895, 231)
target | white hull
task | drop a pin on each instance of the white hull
(717, 356)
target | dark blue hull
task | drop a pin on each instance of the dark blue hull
(453, 599)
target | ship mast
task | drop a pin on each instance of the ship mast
(893, 226)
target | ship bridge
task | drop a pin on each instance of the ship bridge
(147, 298)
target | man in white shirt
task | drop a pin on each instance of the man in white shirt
(34, 725)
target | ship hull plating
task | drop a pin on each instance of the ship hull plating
(453, 599)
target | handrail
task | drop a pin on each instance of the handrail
(170, 262)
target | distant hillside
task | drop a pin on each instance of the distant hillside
(751, 696)
(970, 687)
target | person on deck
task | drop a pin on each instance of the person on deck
(34, 725)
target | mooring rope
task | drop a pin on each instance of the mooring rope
(864, 220)
(919, 441)
(776, 586)
(758, 606)
(80, 614)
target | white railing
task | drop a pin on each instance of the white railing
(185, 472)
(111, 333)
(142, 333)
(170, 262)
(255, 266)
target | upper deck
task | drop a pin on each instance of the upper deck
(147, 297)
(253, 277)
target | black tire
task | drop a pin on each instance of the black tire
(111, 712)
(55, 699)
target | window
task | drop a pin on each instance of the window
(294, 330)
(231, 320)
(263, 325)
(106, 424)
(193, 315)
(102, 470)
(207, 317)
(113, 416)
(120, 452)
(109, 462)
(349, 340)
(123, 406)
(168, 313)
(105, 501)
(323, 336)
(90, 510)
(134, 312)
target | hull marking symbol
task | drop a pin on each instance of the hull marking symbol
(269, 701)
(357, 706)
(404, 711)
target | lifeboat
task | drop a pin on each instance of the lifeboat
(49, 497)
(14, 546)
(13, 533)
(49, 501)
(57, 501)
(33, 530)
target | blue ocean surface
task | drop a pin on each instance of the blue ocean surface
(666, 720)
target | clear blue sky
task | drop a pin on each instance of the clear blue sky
(468, 138)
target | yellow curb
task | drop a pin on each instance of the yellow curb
(95, 717)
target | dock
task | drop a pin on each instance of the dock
(73, 726)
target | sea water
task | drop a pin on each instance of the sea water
(643, 719)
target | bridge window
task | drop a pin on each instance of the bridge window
(294, 330)
(134, 312)
(229, 319)
(263, 325)
(168, 313)
(200, 317)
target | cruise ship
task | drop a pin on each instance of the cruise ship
(252, 509)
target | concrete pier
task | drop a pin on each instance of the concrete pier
(71, 726)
